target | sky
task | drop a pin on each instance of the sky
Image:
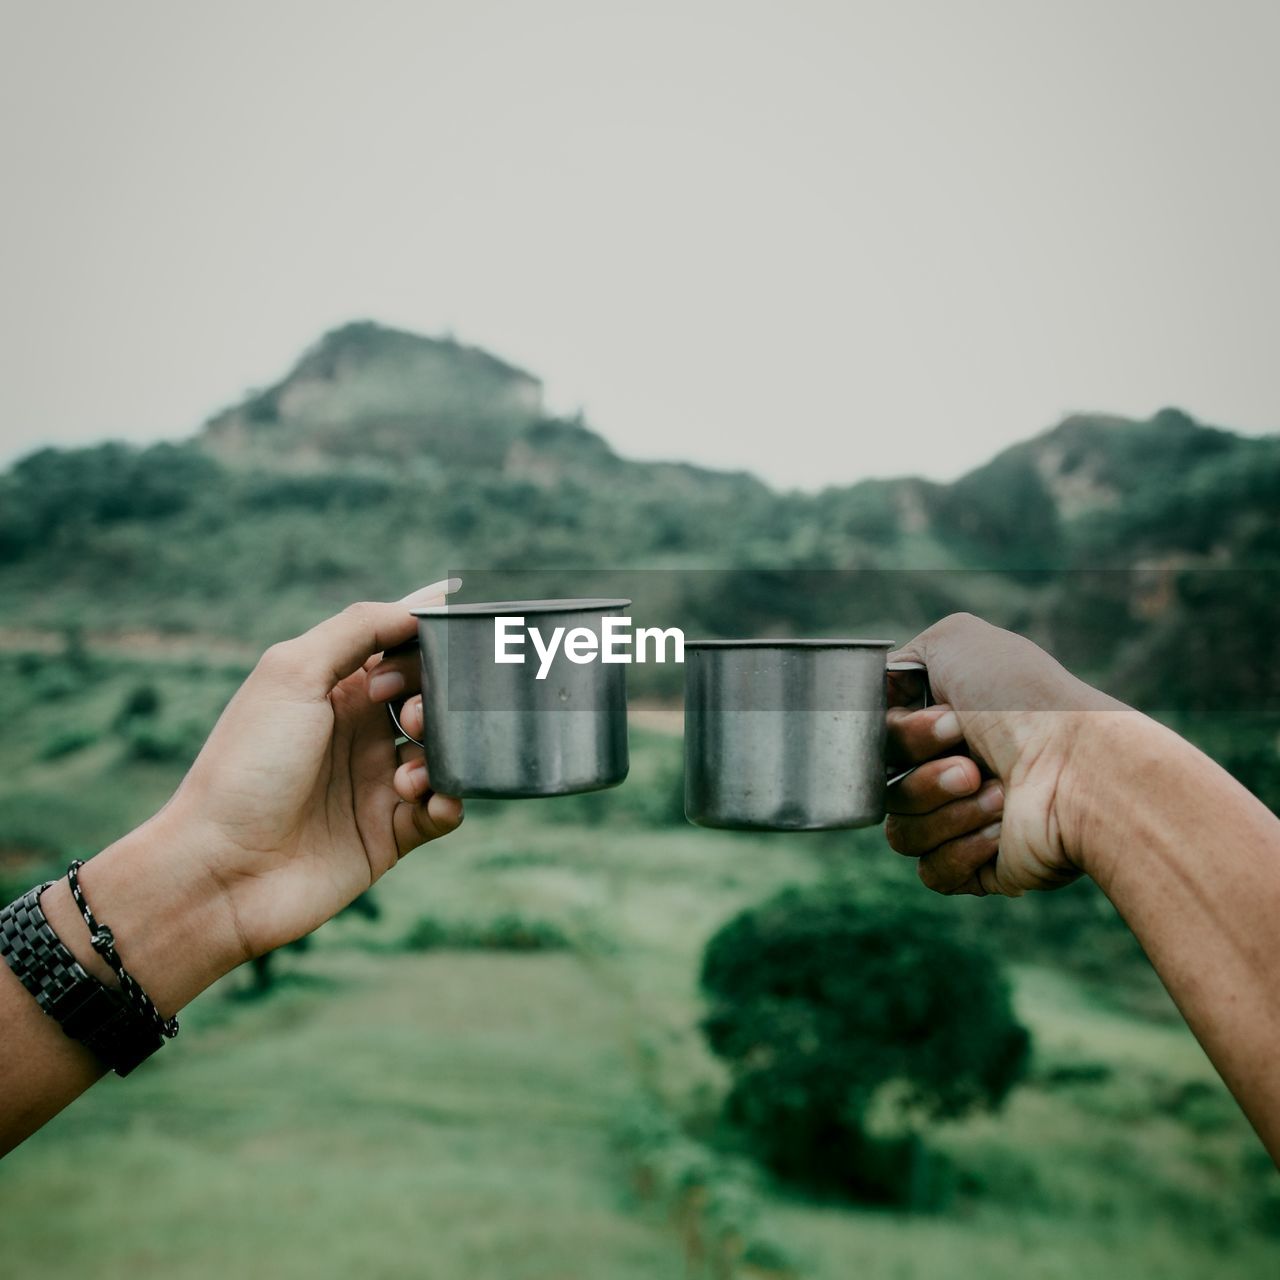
(818, 241)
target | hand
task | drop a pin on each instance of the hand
(990, 809)
(296, 803)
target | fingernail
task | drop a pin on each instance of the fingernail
(418, 775)
(991, 799)
(445, 587)
(992, 832)
(946, 728)
(955, 780)
(385, 684)
(450, 802)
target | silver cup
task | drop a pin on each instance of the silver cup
(496, 729)
(786, 735)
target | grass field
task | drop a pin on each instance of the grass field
(460, 1114)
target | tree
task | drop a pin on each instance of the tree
(827, 1013)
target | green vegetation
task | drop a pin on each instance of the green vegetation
(493, 1114)
(503, 933)
(828, 1012)
(495, 1068)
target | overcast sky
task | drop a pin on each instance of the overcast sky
(816, 240)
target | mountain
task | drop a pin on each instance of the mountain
(375, 400)
(384, 458)
(365, 391)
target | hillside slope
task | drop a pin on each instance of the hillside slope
(383, 459)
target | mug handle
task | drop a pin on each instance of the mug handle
(400, 729)
(408, 647)
(928, 700)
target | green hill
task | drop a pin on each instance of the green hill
(383, 459)
(553, 1114)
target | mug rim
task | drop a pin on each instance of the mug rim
(760, 642)
(498, 608)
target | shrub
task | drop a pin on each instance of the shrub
(508, 932)
(66, 743)
(55, 680)
(835, 1022)
(52, 492)
(140, 703)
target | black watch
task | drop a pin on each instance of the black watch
(101, 1018)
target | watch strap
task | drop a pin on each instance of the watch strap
(101, 1018)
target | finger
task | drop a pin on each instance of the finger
(908, 689)
(395, 674)
(920, 834)
(327, 654)
(412, 781)
(434, 593)
(430, 819)
(407, 751)
(991, 879)
(921, 735)
(952, 864)
(400, 650)
(933, 784)
(411, 718)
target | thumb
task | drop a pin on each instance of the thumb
(333, 649)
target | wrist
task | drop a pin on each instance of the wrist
(173, 929)
(1119, 763)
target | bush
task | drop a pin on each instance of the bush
(142, 702)
(507, 932)
(836, 1022)
(54, 681)
(53, 492)
(66, 743)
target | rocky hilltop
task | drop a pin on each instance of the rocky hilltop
(367, 392)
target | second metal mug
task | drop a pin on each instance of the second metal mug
(786, 735)
(496, 729)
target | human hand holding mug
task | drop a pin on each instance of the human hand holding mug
(1028, 778)
(297, 803)
(994, 804)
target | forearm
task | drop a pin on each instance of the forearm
(1192, 862)
(171, 933)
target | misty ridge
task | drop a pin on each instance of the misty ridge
(1140, 551)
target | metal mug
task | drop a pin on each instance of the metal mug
(786, 735)
(494, 729)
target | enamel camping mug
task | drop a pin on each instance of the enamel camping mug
(521, 724)
(786, 735)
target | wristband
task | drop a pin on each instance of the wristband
(101, 1019)
(103, 942)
